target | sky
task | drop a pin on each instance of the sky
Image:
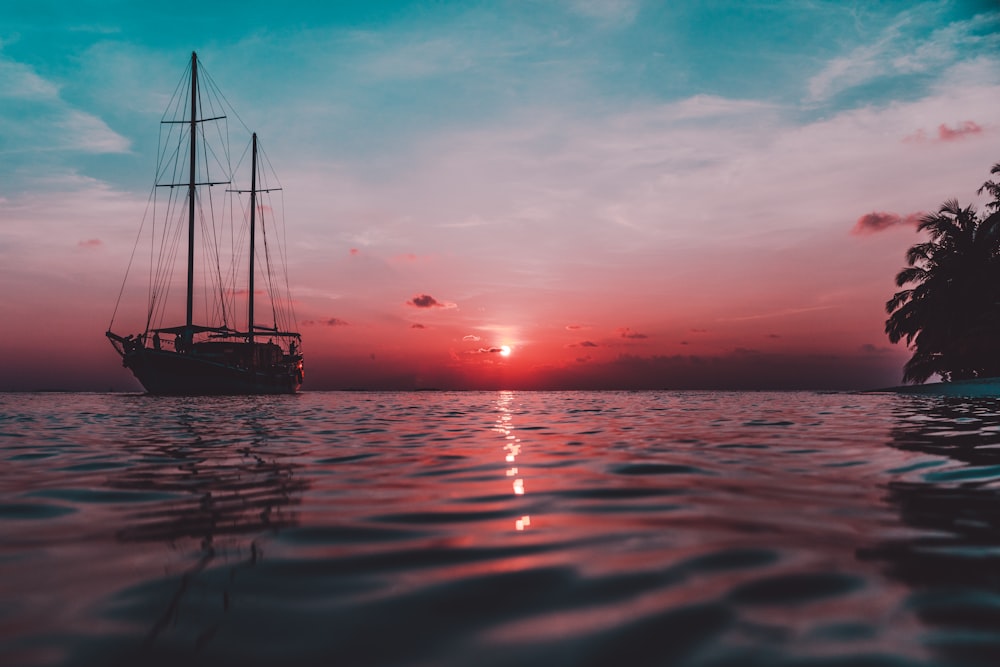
(625, 193)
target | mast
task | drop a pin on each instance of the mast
(189, 333)
(253, 226)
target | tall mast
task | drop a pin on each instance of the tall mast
(253, 226)
(191, 193)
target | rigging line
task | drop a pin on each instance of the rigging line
(204, 260)
(168, 216)
(185, 78)
(277, 311)
(236, 242)
(214, 308)
(280, 241)
(172, 112)
(270, 168)
(288, 288)
(166, 271)
(240, 239)
(283, 245)
(270, 277)
(162, 162)
(230, 275)
(130, 259)
(213, 245)
(164, 263)
(174, 160)
(171, 250)
(165, 161)
(226, 101)
(242, 242)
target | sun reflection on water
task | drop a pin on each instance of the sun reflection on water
(512, 448)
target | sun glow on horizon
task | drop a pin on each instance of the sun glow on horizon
(505, 350)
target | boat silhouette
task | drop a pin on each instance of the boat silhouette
(213, 356)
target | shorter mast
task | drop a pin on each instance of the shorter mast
(253, 226)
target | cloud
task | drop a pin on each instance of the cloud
(472, 338)
(332, 322)
(576, 327)
(919, 42)
(584, 343)
(427, 301)
(968, 127)
(945, 133)
(626, 332)
(877, 221)
(486, 350)
(34, 117)
(21, 82)
(90, 243)
(355, 252)
(417, 325)
(698, 330)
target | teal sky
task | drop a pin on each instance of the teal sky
(684, 169)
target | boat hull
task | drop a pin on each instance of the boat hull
(163, 372)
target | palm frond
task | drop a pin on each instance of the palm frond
(912, 274)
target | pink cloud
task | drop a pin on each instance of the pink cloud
(876, 221)
(427, 301)
(584, 343)
(332, 322)
(90, 243)
(945, 133)
(417, 326)
(472, 338)
(626, 332)
(575, 327)
(355, 252)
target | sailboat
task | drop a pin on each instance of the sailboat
(219, 354)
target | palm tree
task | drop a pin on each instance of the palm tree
(948, 311)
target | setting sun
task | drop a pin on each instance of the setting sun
(505, 350)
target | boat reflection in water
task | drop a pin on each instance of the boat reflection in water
(232, 489)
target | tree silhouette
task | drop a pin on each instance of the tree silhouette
(949, 310)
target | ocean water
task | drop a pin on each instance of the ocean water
(500, 528)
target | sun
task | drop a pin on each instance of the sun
(505, 350)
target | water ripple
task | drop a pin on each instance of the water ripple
(564, 528)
